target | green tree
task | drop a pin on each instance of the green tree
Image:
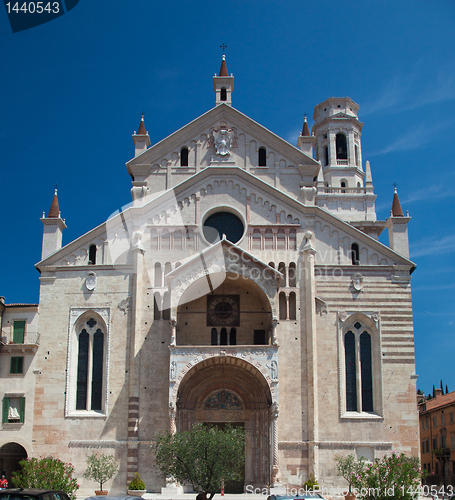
(46, 473)
(203, 457)
(100, 468)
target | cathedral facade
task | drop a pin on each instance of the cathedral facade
(245, 283)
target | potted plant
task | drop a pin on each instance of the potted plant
(136, 488)
(100, 468)
(347, 466)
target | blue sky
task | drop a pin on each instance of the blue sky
(73, 91)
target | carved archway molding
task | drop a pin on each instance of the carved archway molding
(242, 359)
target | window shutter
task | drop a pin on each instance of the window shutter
(18, 332)
(5, 410)
(22, 410)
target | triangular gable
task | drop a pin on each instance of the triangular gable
(193, 185)
(244, 124)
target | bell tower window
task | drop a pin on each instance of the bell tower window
(355, 255)
(184, 157)
(262, 157)
(223, 94)
(341, 147)
(92, 254)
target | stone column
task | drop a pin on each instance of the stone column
(135, 343)
(309, 304)
(173, 324)
(274, 412)
(274, 325)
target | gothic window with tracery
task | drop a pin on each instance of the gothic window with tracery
(358, 361)
(90, 367)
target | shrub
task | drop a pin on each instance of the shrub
(136, 483)
(46, 473)
(396, 476)
(310, 483)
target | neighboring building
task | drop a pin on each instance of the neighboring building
(245, 283)
(19, 341)
(437, 438)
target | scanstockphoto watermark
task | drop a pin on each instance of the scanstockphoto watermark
(332, 491)
(157, 224)
(25, 15)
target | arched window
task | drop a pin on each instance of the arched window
(214, 337)
(292, 239)
(156, 305)
(165, 240)
(233, 336)
(282, 306)
(272, 264)
(281, 240)
(262, 157)
(292, 306)
(184, 157)
(358, 357)
(326, 155)
(223, 337)
(167, 268)
(343, 184)
(90, 367)
(167, 306)
(268, 240)
(153, 240)
(158, 275)
(223, 94)
(356, 151)
(189, 239)
(341, 147)
(282, 270)
(92, 254)
(178, 241)
(350, 363)
(366, 372)
(292, 275)
(256, 239)
(355, 254)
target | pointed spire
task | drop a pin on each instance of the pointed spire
(54, 212)
(141, 130)
(305, 130)
(396, 206)
(223, 69)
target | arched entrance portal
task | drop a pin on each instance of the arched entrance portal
(224, 389)
(10, 456)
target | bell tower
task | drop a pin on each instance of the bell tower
(337, 130)
(343, 187)
(223, 84)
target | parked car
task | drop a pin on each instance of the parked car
(113, 497)
(306, 496)
(23, 494)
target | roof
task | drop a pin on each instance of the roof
(54, 211)
(439, 401)
(223, 69)
(396, 206)
(305, 130)
(21, 305)
(141, 130)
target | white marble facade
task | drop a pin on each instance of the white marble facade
(244, 283)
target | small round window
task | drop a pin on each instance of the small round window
(223, 223)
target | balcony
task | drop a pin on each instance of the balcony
(28, 344)
(442, 453)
